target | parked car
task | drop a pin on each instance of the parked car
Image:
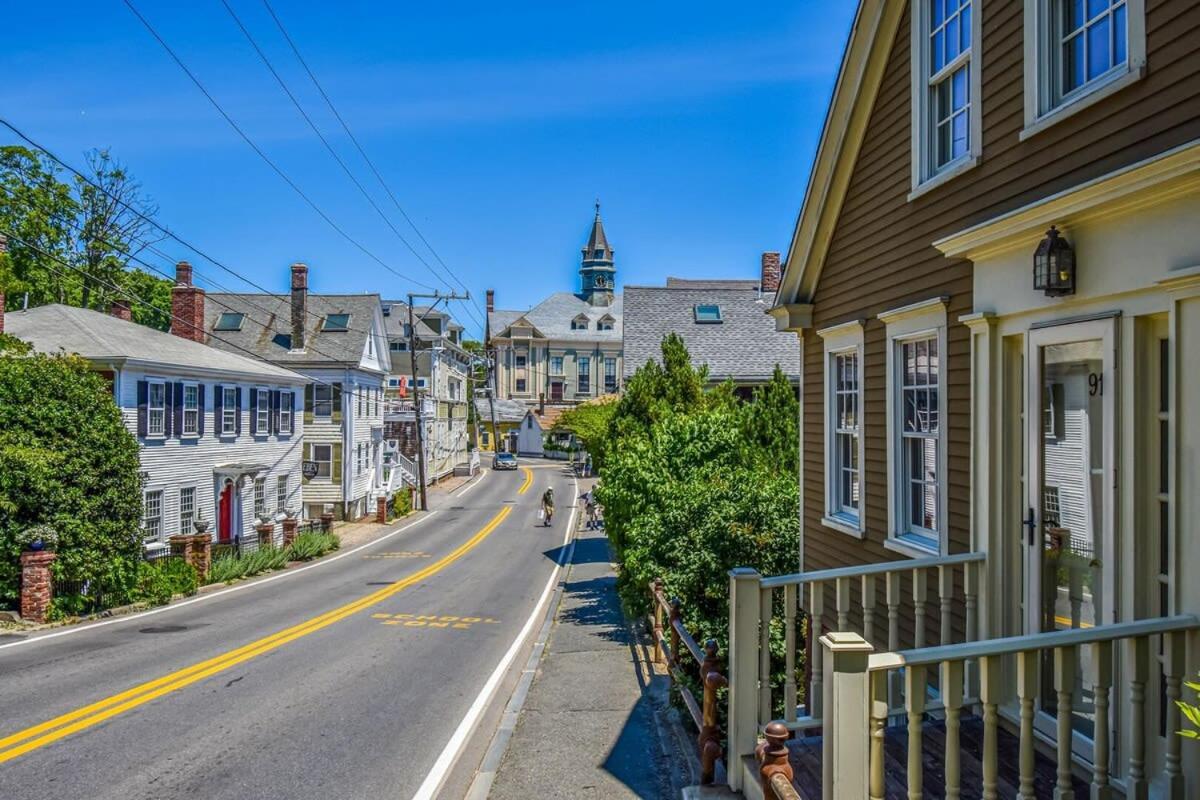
(504, 461)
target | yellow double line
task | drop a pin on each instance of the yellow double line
(52, 730)
(528, 480)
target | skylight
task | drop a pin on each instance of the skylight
(707, 313)
(229, 321)
(337, 323)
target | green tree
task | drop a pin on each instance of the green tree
(36, 212)
(773, 428)
(66, 460)
(589, 422)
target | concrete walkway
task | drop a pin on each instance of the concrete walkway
(589, 726)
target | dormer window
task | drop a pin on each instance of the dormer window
(580, 323)
(707, 314)
(387, 310)
(605, 324)
(229, 321)
(336, 323)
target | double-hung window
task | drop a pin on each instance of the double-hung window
(152, 517)
(281, 493)
(187, 509)
(1077, 52)
(556, 365)
(322, 454)
(610, 375)
(229, 410)
(262, 412)
(945, 95)
(156, 409)
(584, 368)
(286, 401)
(917, 460)
(843, 349)
(191, 410)
(322, 400)
(260, 497)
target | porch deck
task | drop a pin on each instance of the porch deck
(804, 753)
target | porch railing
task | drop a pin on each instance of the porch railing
(669, 647)
(857, 690)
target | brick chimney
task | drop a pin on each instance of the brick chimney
(121, 310)
(187, 305)
(299, 304)
(491, 300)
(771, 272)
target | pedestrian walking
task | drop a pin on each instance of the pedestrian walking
(548, 506)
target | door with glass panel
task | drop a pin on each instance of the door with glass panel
(1068, 531)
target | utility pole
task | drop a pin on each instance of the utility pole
(412, 352)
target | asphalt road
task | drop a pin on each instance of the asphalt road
(322, 684)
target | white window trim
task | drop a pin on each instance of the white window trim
(1038, 115)
(323, 478)
(917, 320)
(150, 409)
(281, 500)
(184, 433)
(262, 409)
(260, 509)
(195, 509)
(287, 407)
(162, 514)
(231, 430)
(923, 178)
(840, 339)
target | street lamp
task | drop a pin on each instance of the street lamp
(1054, 265)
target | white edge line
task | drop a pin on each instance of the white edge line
(472, 484)
(213, 595)
(441, 768)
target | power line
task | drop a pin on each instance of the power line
(362, 152)
(258, 150)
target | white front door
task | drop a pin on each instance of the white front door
(1068, 539)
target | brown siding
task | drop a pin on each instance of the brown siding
(881, 256)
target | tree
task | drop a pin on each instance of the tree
(66, 460)
(36, 210)
(589, 422)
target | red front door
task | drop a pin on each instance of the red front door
(225, 511)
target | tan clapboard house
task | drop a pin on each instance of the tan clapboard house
(995, 283)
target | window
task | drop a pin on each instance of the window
(598, 253)
(916, 421)
(260, 497)
(610, 375)
(281, 493)
(191, 410)
(1078, 51)
(843, 354)
(286, 402)
(229, 410)
(152, 517)
(707, 314)
(322, 400)
(398, 347)
(336, 323)
(520, 362)
(584, 370)
(229, 321)
(605, 324)
(579, 324)
(262, 412)
(520, 379)
(556, 365)
(358, 459)
(945, 87)
(187, 509)
(156, 409)
(359, 400)
(322, 454)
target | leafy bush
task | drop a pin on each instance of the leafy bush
(307, 546)
(68, 461)
(159, 581)
(38, 533)
(1191, 712)
(401, 503)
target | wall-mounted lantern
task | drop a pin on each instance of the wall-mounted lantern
(1054, 265)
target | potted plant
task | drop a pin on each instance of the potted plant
(38, 537)
(201, 526)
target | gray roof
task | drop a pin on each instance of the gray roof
(711, 283)
(744, 346)
(103, 337)
(552, 318)
(506, 410)
(267, 329)
(395, 320)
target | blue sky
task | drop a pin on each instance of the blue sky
(496, 125)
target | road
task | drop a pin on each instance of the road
(346, 680)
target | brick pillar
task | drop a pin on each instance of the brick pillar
(381, 514)
(290, 526)
(196, 550)
(187, 305)
(266, 534)
(37, 587)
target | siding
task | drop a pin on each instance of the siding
(354, 429)
(881, 257)
(538, 370)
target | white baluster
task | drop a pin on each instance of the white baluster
(1027, 688)
(1064, 686)
(892, 598)
(789, 652)
(764, 656)
(945, 601)
(991, 692)
(914, 704)
(879, 712)
(952, 699)
(1137, 657)
(1102, 689)
(816, 608)
(868, 607)
(971, 593)
(920, 588)
(843, 604)
(1175, 646)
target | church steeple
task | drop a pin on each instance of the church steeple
(597, 269)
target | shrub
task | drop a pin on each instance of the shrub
(308, 546)
(401, 503)
(159, 581)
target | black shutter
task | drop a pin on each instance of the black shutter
(218, 409)
(178, 410)
(254, 431)
(143, 391)
(200, 410)
(237, 403)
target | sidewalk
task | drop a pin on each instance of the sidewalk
(590, 723)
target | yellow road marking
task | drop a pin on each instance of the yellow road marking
(1066, 621)
(87, 716)
(528, 480)
(433, 621)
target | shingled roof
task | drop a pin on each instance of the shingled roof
(552, 318)
(743, 346)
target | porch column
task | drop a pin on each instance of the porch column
(846, 749)
(744, 605)
(984, 418)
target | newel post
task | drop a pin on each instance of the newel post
(710, 733)
(744, 605)
(846, 749)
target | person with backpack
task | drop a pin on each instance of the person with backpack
(548, 506)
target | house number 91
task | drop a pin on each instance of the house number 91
(1095, 384)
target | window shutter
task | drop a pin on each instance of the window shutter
(254, 431)
(307, 456)
(308, 404)
(218, 409)
(179, 410)
(200, 410)
(336, 468)
(142, 399)
(337, 402)
(237, 403)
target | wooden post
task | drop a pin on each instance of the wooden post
(847, 730)
(1175, 650)
(676, 616)
(655, 591)
(842, 586)
(945, 602)
(743, 669)
(952, 699)
(789, 652)
(1027, 689)
(1064, 687)
(816, 654)
(914, 705)
(868, 607)
(991, 692)
(1102, 689)
(710, 733)
(879, 713)
(1137, 665)
(920, 590)
(772, 757)
(766, 598)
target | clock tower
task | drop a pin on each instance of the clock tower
(597, 269)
